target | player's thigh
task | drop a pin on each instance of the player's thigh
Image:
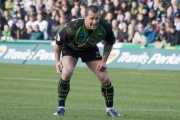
(68, 63)
(101, 75)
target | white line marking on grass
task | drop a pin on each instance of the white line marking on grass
(154, 74)
(133, 109)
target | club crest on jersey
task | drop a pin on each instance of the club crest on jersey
(81, 36)
(100, 34)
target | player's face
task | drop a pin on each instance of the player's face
(92, 20)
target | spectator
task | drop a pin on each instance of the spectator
(173, 36)
(14, 26)
(53, 26)
(50, 4)
(20, 2)
(139, 38)
(120, 19)
(131, 33)
(163, 19)
(157, 24)
(101, 4)
(27, 4)
(167, 25)
(134, 9)
(32, 10)
(76, 3)
(48, 14)
(7, 34)
(173, 4)
(2, 5)
(124, 7)
(43, 13)
(67, 11)
(116, 5)
(151, 16)
(3, 21)
(155, 5)
(75, 12)
(82, 12)
(177, 21)
(54, 12)
(175, 10)
(9, 5)
(150, 34)
(127, 17)
(20, 12)
(110, 3)
(145, 14)
(161, 38)
(22, 32)
(140, 19)
(91, 2)
(106, 10)
(26, 18)
(161, 9)
(39, 4)
(109, 17)
(149, 3)
(123, 33)
(31, 21)
(142, 5)
(63, 20)
(115, 28)
(6, 15)
(29, 31)
(43, 24)
(37, 34)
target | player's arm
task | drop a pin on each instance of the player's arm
(107, 50)
(57, 51)
(109, 41)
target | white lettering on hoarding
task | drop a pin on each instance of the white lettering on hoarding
(19, 55)
(133, 58)
(157, 58)
(43, 55)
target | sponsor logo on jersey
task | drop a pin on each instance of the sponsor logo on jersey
(113, 55)
(81, 36)
(2, 50)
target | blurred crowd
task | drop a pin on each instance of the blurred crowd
(133, 21)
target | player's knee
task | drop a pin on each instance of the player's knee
(105, 81)
(67, 74)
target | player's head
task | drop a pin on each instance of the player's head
(92, 17)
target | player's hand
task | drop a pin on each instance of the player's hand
(59, 67)
(102, 66)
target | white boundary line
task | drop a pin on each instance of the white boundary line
(133, 109)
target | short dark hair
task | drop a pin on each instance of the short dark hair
(92, 8)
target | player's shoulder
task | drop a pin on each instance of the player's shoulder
(72, 26)
(105, 24)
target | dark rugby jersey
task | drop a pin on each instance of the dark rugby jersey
(76, 36)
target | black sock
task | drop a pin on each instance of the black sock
(63, 90)
(108, 94)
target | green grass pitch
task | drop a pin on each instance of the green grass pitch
(29, 92)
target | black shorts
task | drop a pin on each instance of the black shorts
(85, 55)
